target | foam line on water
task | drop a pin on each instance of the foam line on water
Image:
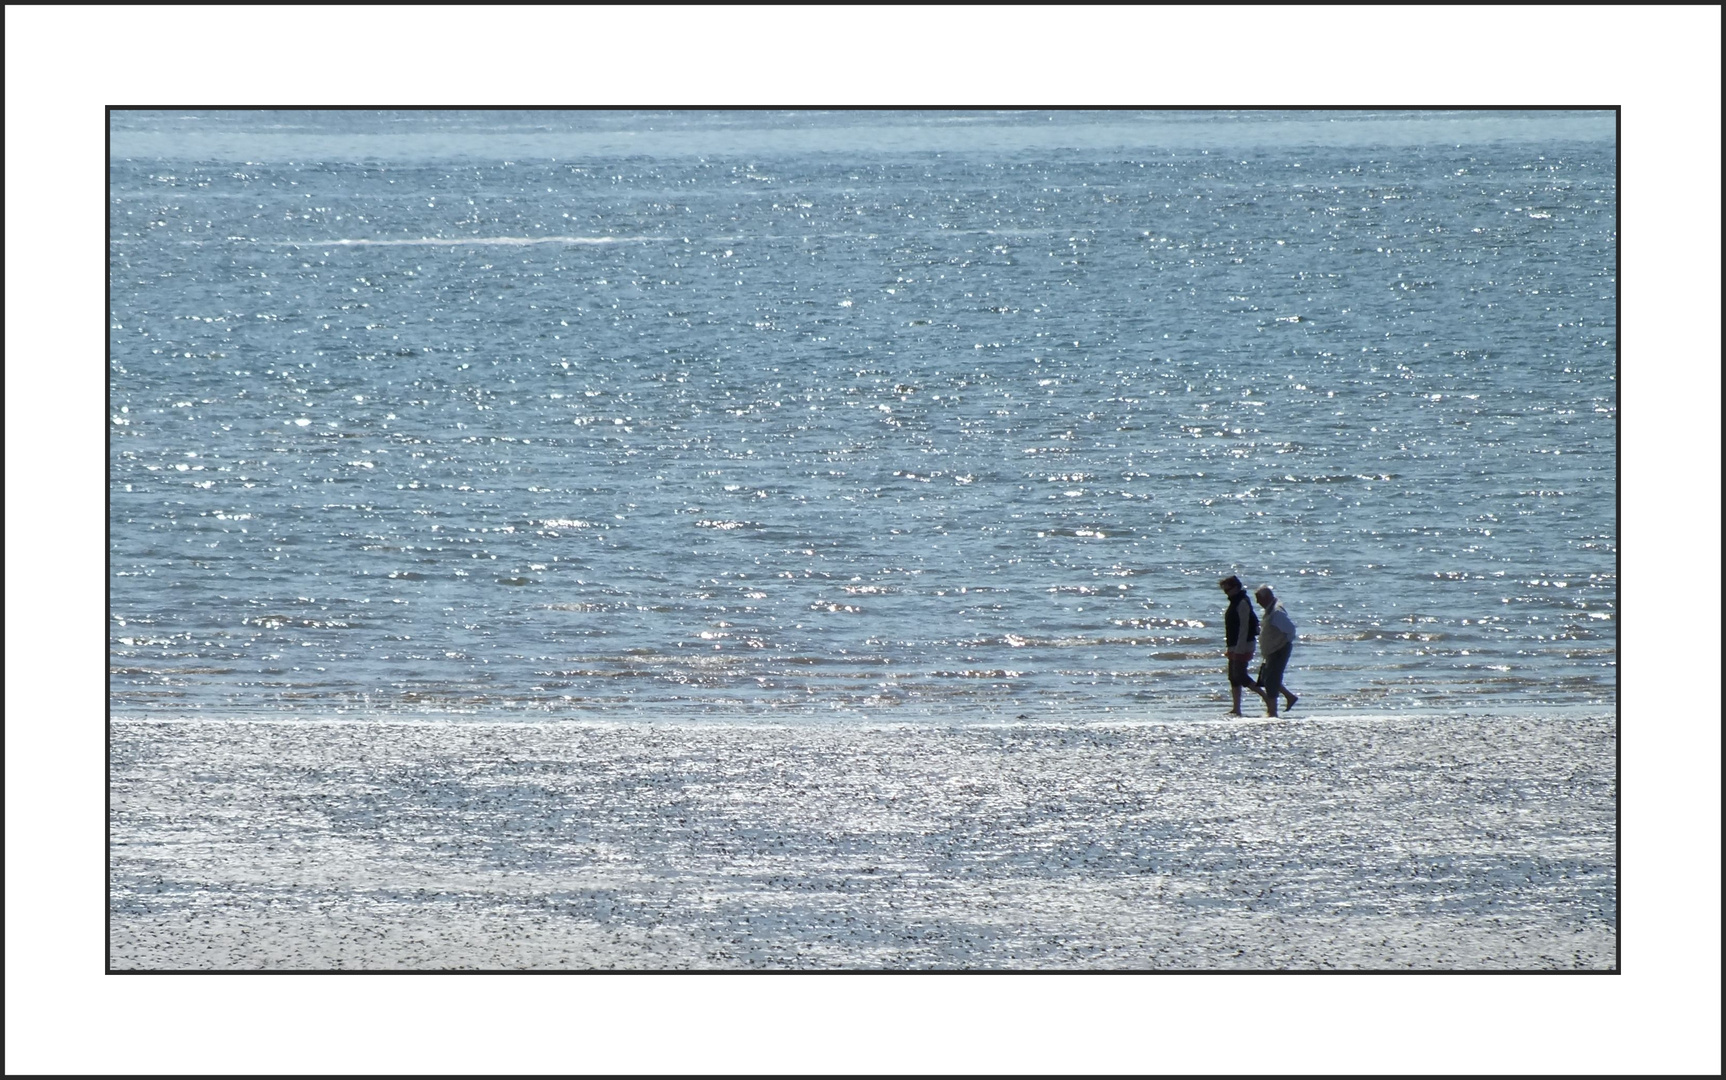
(471, 241)
(436, 241)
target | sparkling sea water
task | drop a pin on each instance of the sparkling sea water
(857, 415)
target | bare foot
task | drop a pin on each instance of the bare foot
(1290, 705)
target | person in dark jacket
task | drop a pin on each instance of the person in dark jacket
(1241, 629)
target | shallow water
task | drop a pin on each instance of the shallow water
(857, 415)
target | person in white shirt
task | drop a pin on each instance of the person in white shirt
(1276, 639)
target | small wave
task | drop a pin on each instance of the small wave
(277, 622)
(1144, 622)
(469, 241)
(726, 525)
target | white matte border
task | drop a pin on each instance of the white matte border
(63, 65)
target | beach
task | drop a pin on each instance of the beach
(1312, 842)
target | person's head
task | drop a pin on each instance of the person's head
(1230, 585)
(1265, 596)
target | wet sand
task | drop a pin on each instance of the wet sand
(1426, 843)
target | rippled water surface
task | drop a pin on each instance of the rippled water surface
(857, 414)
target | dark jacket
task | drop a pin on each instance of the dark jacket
(1232, 623)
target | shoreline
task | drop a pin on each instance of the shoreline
(1486, 843)
(835, 720)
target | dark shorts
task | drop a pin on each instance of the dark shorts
(1271, 671)
(1238, 666)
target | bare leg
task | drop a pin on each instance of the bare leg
(1238, 678)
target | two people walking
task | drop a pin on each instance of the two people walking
(1242, 630)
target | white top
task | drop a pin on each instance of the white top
(1276, 629)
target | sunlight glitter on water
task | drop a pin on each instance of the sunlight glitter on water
(542, 447)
